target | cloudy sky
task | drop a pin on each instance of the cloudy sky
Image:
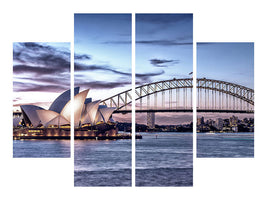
(105, 39)
(163, 50)
(41, 71)
(231, 62)
(164, 46)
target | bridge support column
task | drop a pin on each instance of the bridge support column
(151, 120)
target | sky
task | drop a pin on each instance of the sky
(231, 62)
(164, 46)
(41, 71)
(105, 39)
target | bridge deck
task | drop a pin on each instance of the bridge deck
(186, 110)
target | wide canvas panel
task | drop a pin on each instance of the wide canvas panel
(164, 68)
(102, 64)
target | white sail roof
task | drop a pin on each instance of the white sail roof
(59, 103)
(47, 115)
(58, 120)
(85, 111)
(106, 113)
(30, 114)
(90, 112)
(98, 117)
(77, 105)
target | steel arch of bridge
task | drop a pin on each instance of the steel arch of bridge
(125, 98)
(239, 91)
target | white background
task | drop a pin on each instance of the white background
(52, 21)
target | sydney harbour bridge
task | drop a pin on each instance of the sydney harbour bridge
(175, 95)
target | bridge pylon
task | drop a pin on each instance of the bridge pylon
(151, 120)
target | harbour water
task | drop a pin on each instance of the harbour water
(41, 148)
(102, 162)
(225, 145)
(164, 159)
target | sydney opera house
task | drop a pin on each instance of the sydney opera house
(91, 119)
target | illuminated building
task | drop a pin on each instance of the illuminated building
(59, 113)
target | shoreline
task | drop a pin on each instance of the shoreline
(64, 133)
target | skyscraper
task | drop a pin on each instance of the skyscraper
(219, 123)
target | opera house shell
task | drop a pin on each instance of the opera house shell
(86, 112)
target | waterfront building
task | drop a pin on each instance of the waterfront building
(91, 120)
(235, 129)
(59, 113)
(233, 121)
(17, 121)
(219, 123)
(200, 121)
(210, 122)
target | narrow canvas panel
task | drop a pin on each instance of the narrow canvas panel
(41, 88)
(164, 67)
(102, 64)
(225, 99)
